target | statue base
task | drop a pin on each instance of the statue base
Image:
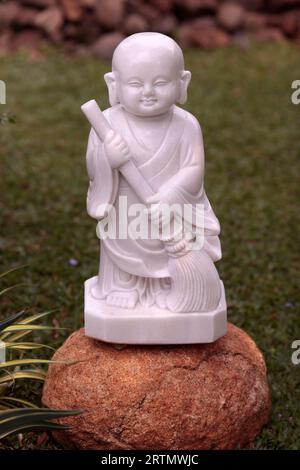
(151, 325)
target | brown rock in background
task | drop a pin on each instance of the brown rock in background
(77, 24)
(73, 10)
(87, 32)
(50, 21)
(196, 6)
(29, 40)
(273, 20)
(88, 3)
(109, 14)
(230, 15)
(5, 42)
(147, 11)
(26, 17)
(160, 397)
(135, 23)
(281, 4)
(252, 5)
(165, 24)
(290, 23)
(9, 12)
(106, 44)
(202, 32)
(163, 5)
(253, 21)
(38, 3)
(269, 34)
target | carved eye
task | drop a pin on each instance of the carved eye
(135, 84)
(160, 83)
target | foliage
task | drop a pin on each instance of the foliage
(18, 414)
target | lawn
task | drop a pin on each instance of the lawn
(252, 141)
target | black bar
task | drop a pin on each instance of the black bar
(147, 459)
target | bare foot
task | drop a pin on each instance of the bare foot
(122, 299)
(96, 292)
(161, 300)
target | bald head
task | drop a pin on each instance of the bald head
(148, 75)
(148, 48)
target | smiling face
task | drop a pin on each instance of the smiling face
(148, 87)
(148, 70)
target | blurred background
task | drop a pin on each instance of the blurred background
(244, 57)
(97, 26)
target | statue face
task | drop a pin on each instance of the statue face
(148, 86)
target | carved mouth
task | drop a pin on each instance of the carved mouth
(149, 101)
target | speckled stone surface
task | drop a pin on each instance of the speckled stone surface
(160, 397)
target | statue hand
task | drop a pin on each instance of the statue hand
(158, 211)
(116, 149)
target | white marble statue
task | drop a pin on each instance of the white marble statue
(148, 152)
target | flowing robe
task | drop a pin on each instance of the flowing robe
(142, 264)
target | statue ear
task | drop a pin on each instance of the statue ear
(110, 80)
(184, 83)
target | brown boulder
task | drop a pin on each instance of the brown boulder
(254, 21)
(134, 23)
(252, 5)
(50, 21)
(39, 3)
(29, 40)
(230, 15)
(196, 6)
(86, 32)
(165, 24)
(202, 32)
(282, 4)
(5, 42)
(105, 46)
(269, 34)
(8, 13)
(163, 5)
(290, 24)
(160, 397)
(144, 9)
(26, 17)
(109, 14)
(88, 3)
(73, 10)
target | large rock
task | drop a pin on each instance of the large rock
(86, 32)
(38, 3)
(165, 24)
(144, 9)
(196, 6)
(50, 21)
(254, 21)
(163, 5)
(160, 397)
(202, 32)
(109, 14)
(73, 10)
(134, 23)
(26, 17)
(8, 13)
(269, 34)
(230, 15)
(104, 47)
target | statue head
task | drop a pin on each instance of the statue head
(148, 75)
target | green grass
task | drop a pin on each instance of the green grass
(251, 132)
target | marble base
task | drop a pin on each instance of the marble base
(151, 325)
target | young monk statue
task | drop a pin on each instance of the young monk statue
(136, 283)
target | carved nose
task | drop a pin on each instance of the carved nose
(147, 91)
